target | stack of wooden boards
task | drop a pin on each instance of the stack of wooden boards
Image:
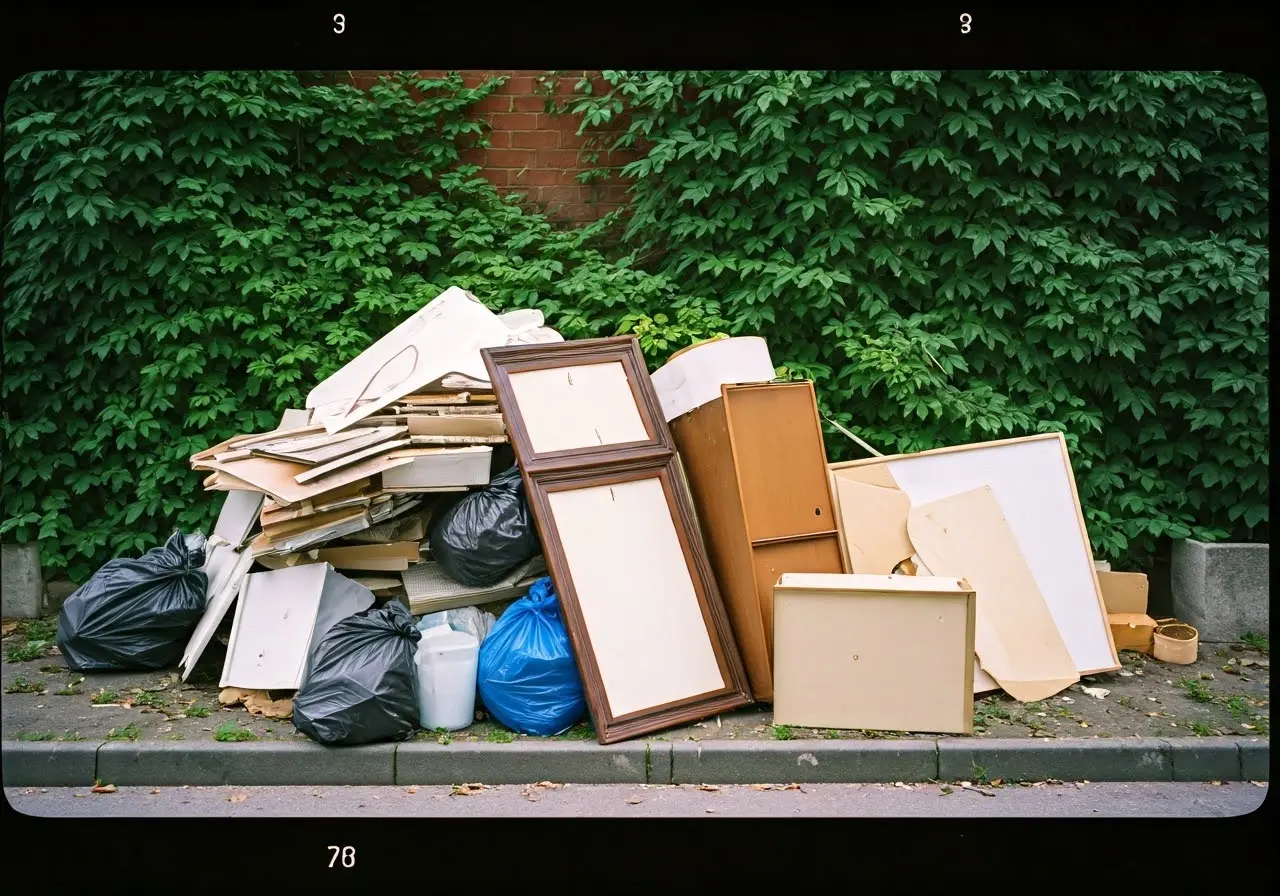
(336, 502)
(321, 487)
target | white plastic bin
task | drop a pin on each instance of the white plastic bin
(447, 662)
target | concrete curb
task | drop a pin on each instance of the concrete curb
(302, 763)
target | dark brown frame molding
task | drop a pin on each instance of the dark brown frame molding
(550, 472)
(512, 359)
(610, 728)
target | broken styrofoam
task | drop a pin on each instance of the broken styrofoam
(693, 377)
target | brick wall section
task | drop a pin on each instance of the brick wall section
(540, 154)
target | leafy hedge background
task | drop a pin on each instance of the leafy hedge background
(951, 257)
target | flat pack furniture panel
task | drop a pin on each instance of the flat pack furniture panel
(579, 403)
(842, 648)
(1032, 481)
(649, 629)
(757, 472)
(1017, 640)
(280, 617)
(651, 637)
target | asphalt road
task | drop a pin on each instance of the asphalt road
(1167, 800)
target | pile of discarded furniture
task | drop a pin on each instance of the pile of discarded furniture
(676, 546)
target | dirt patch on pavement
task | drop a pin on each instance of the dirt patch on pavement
(1226, 692)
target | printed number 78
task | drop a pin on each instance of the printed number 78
(347, 855)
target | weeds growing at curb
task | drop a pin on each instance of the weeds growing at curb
(52, 670)
(104, 696)
(72, 736)
(500, 736)
(230, 732)
(1196, 690)
(1256, 642)
(37, 735)
(71, 690)
(21, 685)
(1200, 729)
(39, 629)
(128, 732)
(150, 698)
(32, 650)
(443, 737)
(580, 731)
(196, 711)
(782, 732)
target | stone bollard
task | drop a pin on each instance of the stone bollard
(21, 586)
(1224, 590)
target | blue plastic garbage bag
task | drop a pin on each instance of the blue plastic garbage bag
(527, 675)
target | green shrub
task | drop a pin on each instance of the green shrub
(185, 255)
(964, 256)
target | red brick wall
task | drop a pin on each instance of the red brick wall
(540, 154)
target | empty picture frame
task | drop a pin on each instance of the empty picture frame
(649, 630)
(571, 403)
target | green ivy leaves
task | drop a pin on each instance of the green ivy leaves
(962, 256)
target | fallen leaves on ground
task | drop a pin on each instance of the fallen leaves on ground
(155, 791)
(709, 788)
(635, 801)
(237, 797)
(1096, 693)
(467, 789)
(8, 629)
(528, 792)
(103, 788)
(411, 789)
(762, 787)
(947, 791)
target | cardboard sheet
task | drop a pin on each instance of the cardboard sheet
(443, 337)
(1017, 640)
(1124, 592)
(1032, 480)
(1133, 631)
(873, 526)
(839, 649)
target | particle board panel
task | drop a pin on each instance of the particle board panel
(738, 465)
(774, 427)
(840, 645)
(580, 406)
(1033, 483)
(769, 562)
(1018, 642)
(707, 457)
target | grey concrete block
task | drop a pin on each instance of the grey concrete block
(1205, 758)
(44, 764)
(1043, 759)
(563, 762)
(804, 762)
(21, 586)
(56, 594)
(1224, 590)
(265, 763)
(1255, 760)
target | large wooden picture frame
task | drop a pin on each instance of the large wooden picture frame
(648, 625)
(558, 435)
(652, 638)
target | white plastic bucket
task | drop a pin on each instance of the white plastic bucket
(447, 662)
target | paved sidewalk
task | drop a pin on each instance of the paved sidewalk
(1148, 722)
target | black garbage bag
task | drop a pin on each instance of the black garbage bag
(362, 687)
(487, 534)
(136, 613)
